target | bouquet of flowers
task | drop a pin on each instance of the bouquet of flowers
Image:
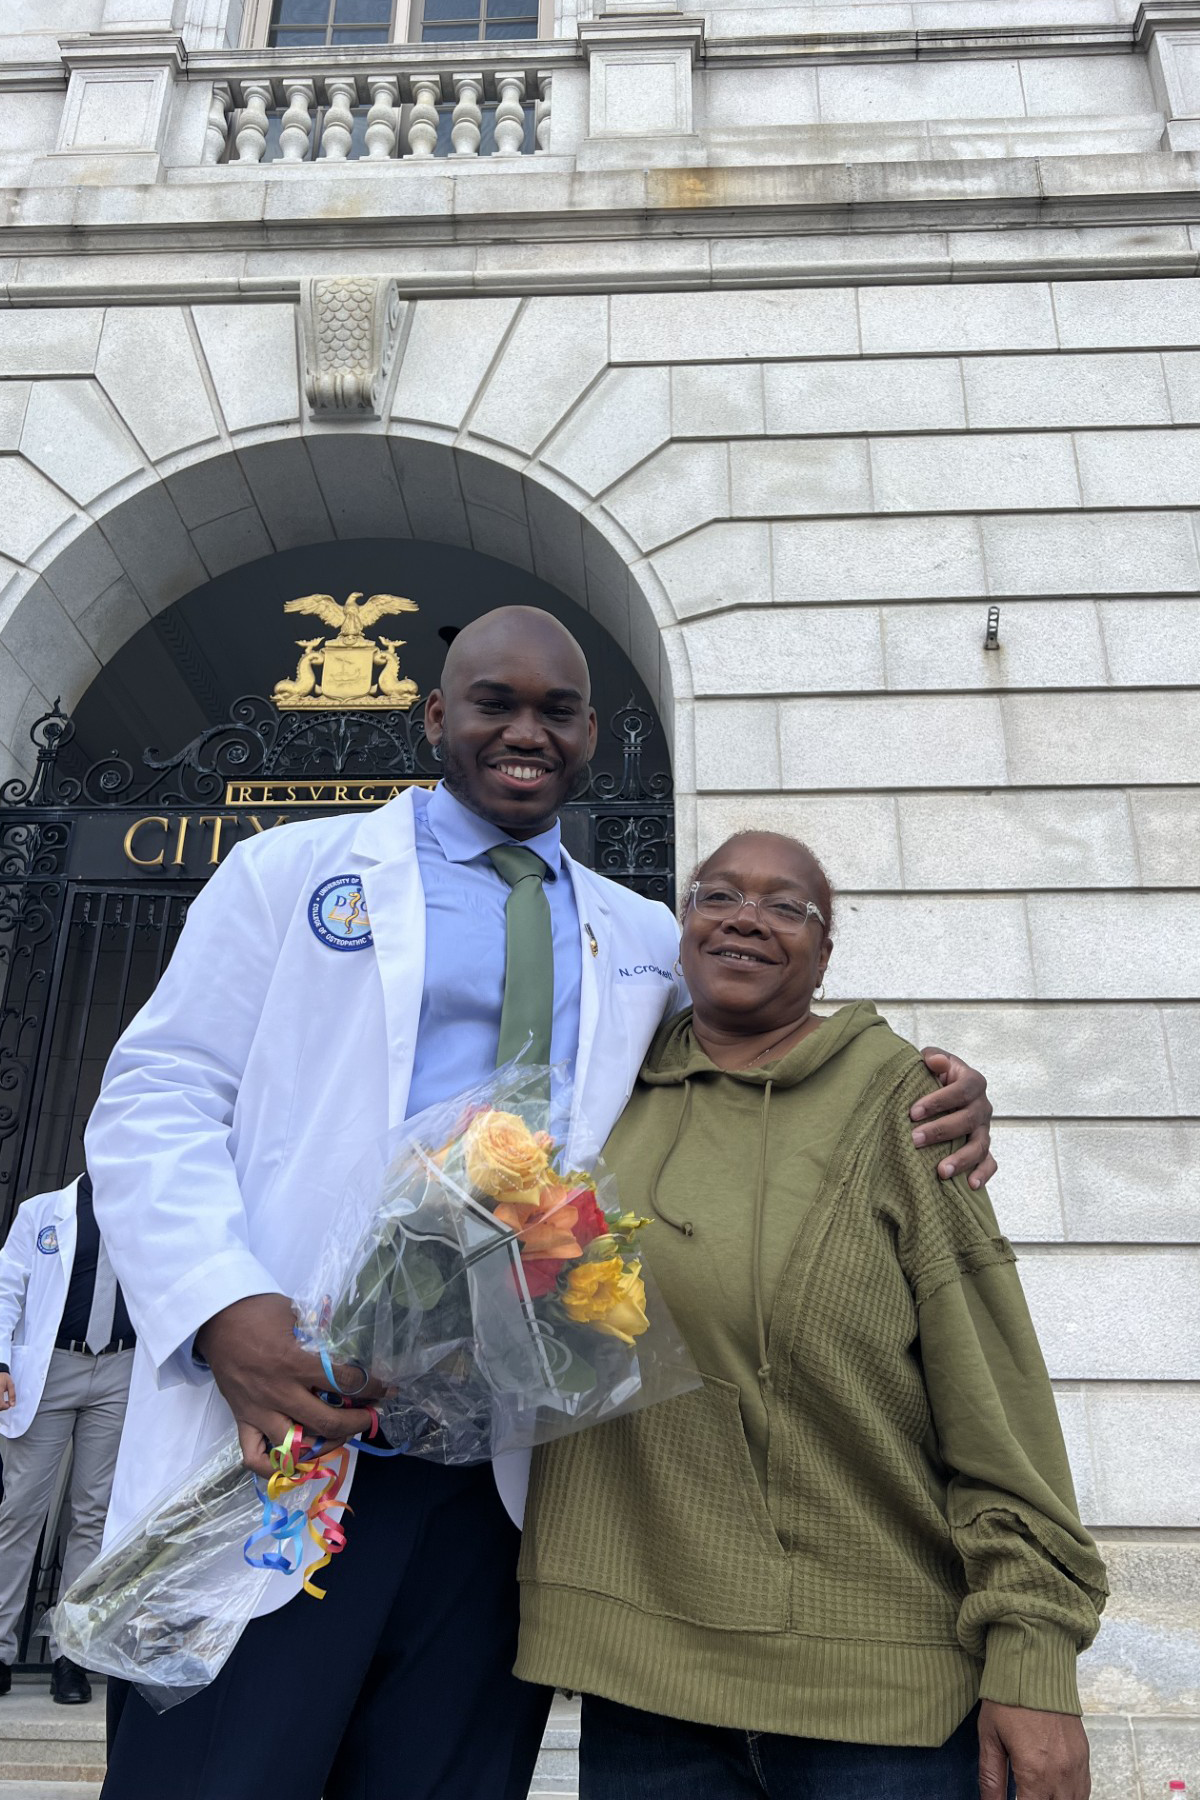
(481, 1268)
(496, 1290)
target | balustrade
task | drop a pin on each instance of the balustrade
(296, 125)
(375, 116)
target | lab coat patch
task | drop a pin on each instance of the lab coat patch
(337, 913)
(47, 1241)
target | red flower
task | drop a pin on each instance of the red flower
(590, 1222)
(541, 1274)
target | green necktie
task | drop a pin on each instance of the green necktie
(528, 1010)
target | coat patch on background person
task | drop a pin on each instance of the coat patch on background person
(338, 915)
(47, 1241)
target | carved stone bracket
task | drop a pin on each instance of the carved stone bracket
(351, 330)
(1169, 32)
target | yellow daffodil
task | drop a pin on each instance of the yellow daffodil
(610, 1295)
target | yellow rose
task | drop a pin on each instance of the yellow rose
(610, 1295)
(503, 1157)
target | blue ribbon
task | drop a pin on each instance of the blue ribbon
(278, 1524)
(357, 1443)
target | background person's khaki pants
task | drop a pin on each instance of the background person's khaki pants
(84, 1398)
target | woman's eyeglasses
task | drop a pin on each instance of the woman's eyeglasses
(783, 912)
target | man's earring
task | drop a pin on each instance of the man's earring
(678, 966)
(437, 753)
(820, 993)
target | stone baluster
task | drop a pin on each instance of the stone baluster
(216, 133)
(510, 114)
(337, 134)
(468, 114)
(296, 126)
(383, 120)
(423, 120)
(541, 113)
(251, 136)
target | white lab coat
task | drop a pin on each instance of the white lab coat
(264, 1066)
(35, 1272)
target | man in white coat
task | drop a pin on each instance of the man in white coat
(66, 1356)
(334, 978)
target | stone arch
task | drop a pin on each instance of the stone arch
(114, 567)
(157, 446)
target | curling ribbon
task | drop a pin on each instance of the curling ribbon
(294, 1464)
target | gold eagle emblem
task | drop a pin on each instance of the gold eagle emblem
(349, 669)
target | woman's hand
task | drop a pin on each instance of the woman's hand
(960, 1109)
(1048, 1752)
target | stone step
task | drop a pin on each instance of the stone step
(50, 1752)
(45, 1748)
(41, 1743)
(49, 1790)
(557, 1772)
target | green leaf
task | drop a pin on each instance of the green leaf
(577, 1378)
(424, 1279)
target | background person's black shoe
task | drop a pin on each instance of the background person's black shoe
(68, 1683)
(5, 1677)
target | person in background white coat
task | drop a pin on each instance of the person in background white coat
(334, 978)
(66, 1356)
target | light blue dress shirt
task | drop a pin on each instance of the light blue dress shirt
(465, 945)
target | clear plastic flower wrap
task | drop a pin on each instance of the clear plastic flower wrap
(494, 1288)
(165, 1604)
(479, 1266)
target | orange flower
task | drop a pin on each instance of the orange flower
(553, 1238)
(504, 1159)
(544, 1231)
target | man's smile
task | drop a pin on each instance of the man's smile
(521, 771)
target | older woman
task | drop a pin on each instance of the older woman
(850, 1565)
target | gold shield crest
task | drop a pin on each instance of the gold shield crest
(351, 669)
(348, 673)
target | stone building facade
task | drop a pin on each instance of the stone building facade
(805, 347)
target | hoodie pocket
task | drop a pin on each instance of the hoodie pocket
(662, 1509)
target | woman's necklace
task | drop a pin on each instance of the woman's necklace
(765, 1051)
(792, 1029)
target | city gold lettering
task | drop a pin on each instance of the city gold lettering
(216, 820)
(239, 796)
(259, 826)
(177, 859)
(144, 862)
(339, 795)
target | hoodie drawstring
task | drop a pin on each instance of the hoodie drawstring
(686, 1228)
(683, 1226)
(760, 1201)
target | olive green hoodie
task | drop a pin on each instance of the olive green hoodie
(864, 1519)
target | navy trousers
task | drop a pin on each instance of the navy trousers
(626, 1754)
(396, 1686)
